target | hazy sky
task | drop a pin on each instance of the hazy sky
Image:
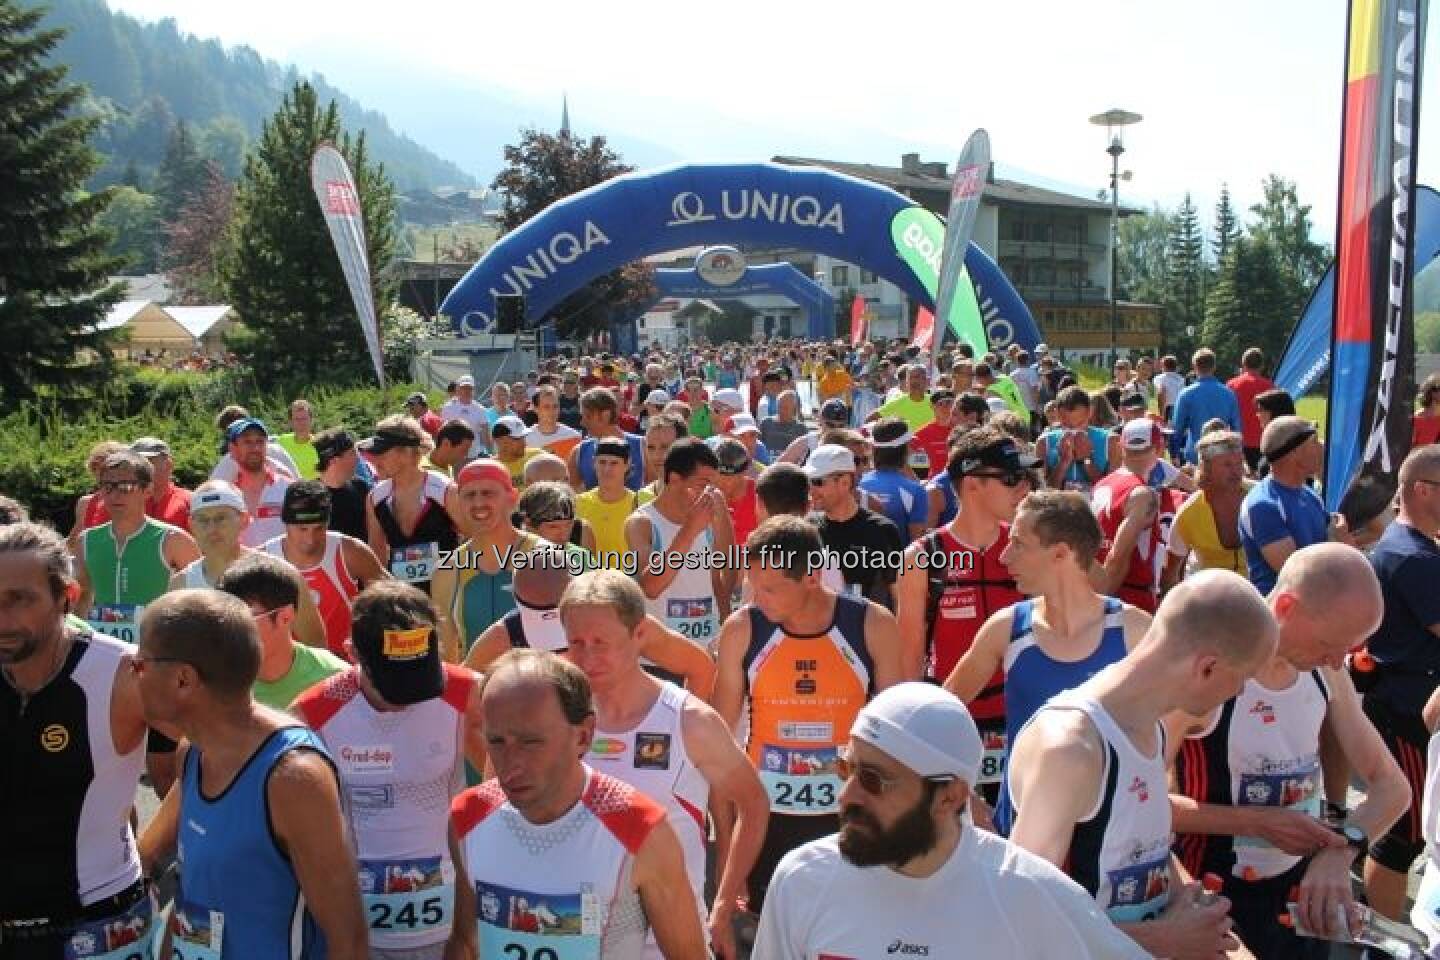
(1230, 89)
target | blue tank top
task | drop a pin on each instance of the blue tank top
(1099, 444)
(1032, 676)
(634, 472)
(947, 490)
(239, 898)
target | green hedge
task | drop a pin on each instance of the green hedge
(43, 445)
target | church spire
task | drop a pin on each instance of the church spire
(564, 115)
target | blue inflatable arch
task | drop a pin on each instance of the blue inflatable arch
(641, 214)
(782, 278)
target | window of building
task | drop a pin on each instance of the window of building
(840, 276)
(866, 276)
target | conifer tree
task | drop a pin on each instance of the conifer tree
(53, 259)
(282, 274)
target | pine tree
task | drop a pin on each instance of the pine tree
(53, 257)
(183, 173)
(1227, 226)
(1285, 223)
(282, 274)
(1248, 306)
(1185, 284)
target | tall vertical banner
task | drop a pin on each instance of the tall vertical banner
(857, 320)
(924, 336)
(961, 315)
(339, 199)
(1373, 335)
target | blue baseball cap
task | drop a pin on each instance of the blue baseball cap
(233, 432)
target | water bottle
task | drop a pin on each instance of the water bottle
(1371, 929)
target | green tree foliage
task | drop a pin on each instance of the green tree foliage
(282, 274)
(144, 76)
(1427, 332)
(1144, 256)
(1227, 226)
(183, 174)
(134, 219)
(53, 257)
(543, 168)
(1283, 221)
(1249, 304)
(195, 239)
(1186, 281)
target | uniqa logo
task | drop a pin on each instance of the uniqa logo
(539, 265)
(688, 208)
(927, 249)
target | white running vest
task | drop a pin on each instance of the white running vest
(1425, 914)
(687, 606)
(1274, 761)
(651, 757)
(561, 890)
(398, 772)
(194, 574)
(1121, 851)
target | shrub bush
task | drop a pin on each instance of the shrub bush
(43, 445)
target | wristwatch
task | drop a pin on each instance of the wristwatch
(1354, 837)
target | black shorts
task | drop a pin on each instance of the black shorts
(1256, 906)
(784, 833)
(1407, 740)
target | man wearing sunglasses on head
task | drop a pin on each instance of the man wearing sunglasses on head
(127, 563)
(907, 875)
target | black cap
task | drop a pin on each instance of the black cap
(1133, 400)
(403, 664)
(388, 438)
(835, 411)
(306, 502)
(1003, 454)
(332, 443)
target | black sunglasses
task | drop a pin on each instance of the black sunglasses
(874, 782)
(1010, 478)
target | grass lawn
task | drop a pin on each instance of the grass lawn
(1312, 408)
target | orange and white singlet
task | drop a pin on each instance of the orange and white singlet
(331, 587)
(804, 693)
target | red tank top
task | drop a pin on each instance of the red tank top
(742, 512)
(1142, 577)
(332, 588)
(96, 512)
(962, 596)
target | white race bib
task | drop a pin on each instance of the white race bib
(406, 896)
(520, 925)
(119, 620)
(415, 563)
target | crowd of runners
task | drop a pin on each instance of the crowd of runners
(795, 651)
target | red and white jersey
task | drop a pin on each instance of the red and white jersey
(1142, 577)
(652, 758)
(331, 587)
(265, 523)
(399, 770)
(562, 889)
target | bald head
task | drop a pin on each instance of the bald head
(541, 585)
(1327, 601)
(545, 467)
(1217, 612)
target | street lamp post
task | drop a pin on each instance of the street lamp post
(1114, 121)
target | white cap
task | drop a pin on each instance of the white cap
(899, 441)
(924, 727)
(465, 381)
(830, 458)
(1041, 348)
(660, 397)
(730, 397)
(512, 425)
(220, 497)
(1140, 434)
(742, 423)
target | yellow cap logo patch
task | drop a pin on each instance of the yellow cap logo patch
(407, 644)
(54, 738)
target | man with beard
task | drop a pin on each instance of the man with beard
(1087, 775)
(75, 735)
(906, 875)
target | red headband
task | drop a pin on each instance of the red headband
(485, 469)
